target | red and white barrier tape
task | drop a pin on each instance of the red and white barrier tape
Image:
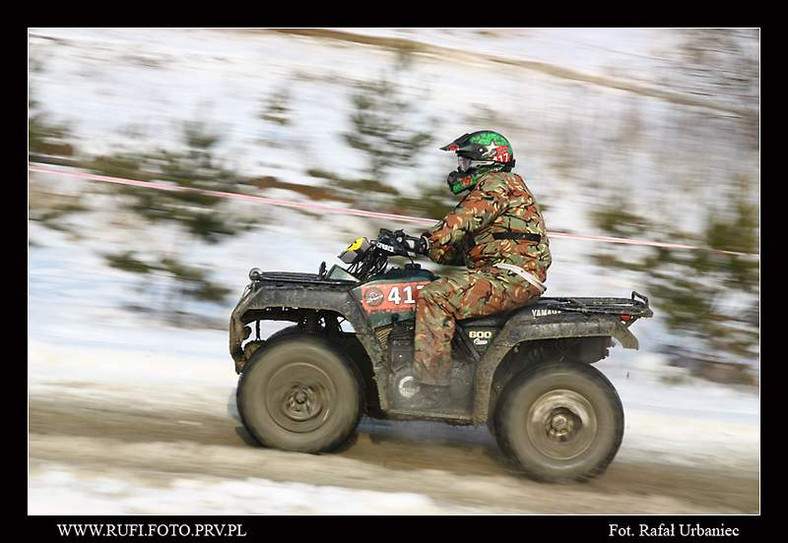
(158, 185)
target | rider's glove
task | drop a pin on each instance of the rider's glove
(418, 245)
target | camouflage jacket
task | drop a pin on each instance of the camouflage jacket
(499, 203)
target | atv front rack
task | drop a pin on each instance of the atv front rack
(295, 277)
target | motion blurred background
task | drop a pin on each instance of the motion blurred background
(644, 134)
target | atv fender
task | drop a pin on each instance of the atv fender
(521, 328)
(338, 300)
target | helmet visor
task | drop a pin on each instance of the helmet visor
(463, 163)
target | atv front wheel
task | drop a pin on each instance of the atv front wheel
(300, 394)
(560, 422)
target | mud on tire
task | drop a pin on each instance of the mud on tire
(300, 394)
(560, 422)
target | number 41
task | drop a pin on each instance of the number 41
(396, 299)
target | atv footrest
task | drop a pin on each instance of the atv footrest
(458, 416)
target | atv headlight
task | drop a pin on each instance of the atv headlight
(355, 252)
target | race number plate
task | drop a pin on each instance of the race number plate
(390, 297)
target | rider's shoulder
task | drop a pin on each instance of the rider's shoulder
(492, 181)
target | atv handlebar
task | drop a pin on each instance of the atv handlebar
(370, 257)
(391, 242)
(398, 243)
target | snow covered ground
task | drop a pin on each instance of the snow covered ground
(58, 491)
(116, 395)
(94, 447)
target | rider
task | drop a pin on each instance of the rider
(497, 231)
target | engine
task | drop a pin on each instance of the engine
(404, 388)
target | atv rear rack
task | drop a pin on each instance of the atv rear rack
(636, 307)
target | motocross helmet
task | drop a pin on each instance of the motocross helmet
(478, 153)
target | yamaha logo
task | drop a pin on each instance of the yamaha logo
(544, 312)
(374, 296)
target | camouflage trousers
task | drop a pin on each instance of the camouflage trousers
(441, 303)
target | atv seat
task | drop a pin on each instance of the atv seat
(496, 320)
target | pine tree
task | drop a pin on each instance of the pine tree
(710, 297)
(387, 127)
(197, 218)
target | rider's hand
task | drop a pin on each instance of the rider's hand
(418, 245)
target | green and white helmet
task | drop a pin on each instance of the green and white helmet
(478, 153)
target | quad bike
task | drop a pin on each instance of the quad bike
(526, 373)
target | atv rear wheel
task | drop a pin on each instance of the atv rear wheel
(300, 394)
(560, 422)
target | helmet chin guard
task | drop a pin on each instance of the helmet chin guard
(459, 182)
